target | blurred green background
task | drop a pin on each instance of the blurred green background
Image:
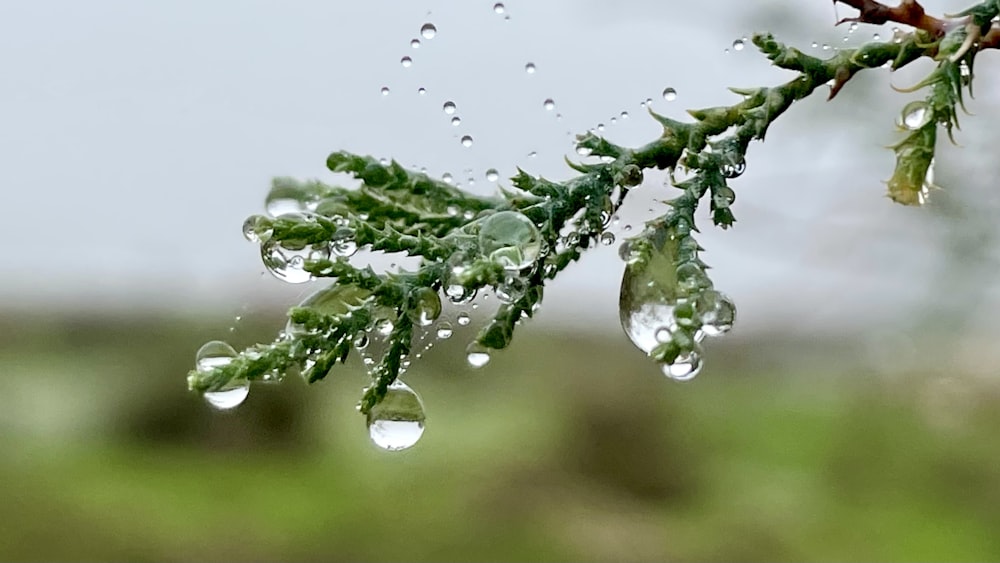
(782, 449)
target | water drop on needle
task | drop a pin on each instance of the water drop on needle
(477, 356)
(216, 354)
(397, 421)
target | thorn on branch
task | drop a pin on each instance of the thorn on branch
(909, 12)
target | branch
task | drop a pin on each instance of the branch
(909, 12)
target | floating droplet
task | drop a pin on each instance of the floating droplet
(738, 45)
(428, 31)
(670, 94)
(447, 178)
(397, 421)
(425, 306)
(876, 37)
(685, 368)
(492, 175)
(445, 331)
(385, 90)
(532, 154)
(607, 238)
(449, 107)
(549, 104)
(287, 264)
(477, 356)
(415, 43)
(530, 68)
(498, 8)
(422, 91)
(456, 121)
(467, 141)
(511, 240)
(407, 62)
(463, 319)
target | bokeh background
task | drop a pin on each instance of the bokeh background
(850, 415)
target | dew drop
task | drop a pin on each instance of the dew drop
(458, 293)
(549, 104)
(287, 264)
(492, 175)
(670, 94)
(876, 37)
(738, 45)
(498, 8)
(464, 319)
(445, 331)
(385, 90)
(532, 154)
(684, 368)
(477, 356)
(397, 421)
(407, 62)
(466, 141)
(530, 68)
(511, 240)
(449, 107)
(428, 31)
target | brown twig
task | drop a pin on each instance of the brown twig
(909, 12)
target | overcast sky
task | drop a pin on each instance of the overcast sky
(136, 137)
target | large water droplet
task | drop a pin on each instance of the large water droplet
(467, 141)
(511, 240)
(449, 107)
(670, 94)
(477, 356)
(549, 104)
(397, 421)
(685, 368)
(287, 264)
(213, 355)
(428, 31)
(425, 306)
(649, 292)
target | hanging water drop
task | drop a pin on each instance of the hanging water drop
(477, 356)
(549, 104)
(467, 141)
(287, 264)
(449, 107)
(530, 68)
(458, 293)
(384, 326)
(685, 367)
(670, 94)
(511, 240)
(447, 178)
(445, 331)
(492, 175)
(428, 31)
(216, 354)
(407, 62)
(397, 421)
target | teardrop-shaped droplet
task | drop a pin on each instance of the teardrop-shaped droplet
(511, 240)
(397, 421)
(649, 292)
(549, 104)
(425, 306)
(477, 356)
(685, 368)
(428, 31)
(449, 107)
(916, 115)
(669, 94)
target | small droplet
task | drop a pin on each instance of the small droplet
(498, 8)
(532, 154)
(717, 312)
(447, 178)
(458, 294)
(466, 141)
(384, 327)
(738, 45)
(492, 175)
(816, 45)
(385, 90)
(444, 331)
(407, 62)
(449, 107)
(624, 115)
(876, 37)
(530, 68)
(549, 104)
(685, 368)
(583, 151)
(422, 91)
(428, 31)
(415, 43)
(463, 319)
(477, 356)
(670, 94)
(456, 121)
(607, 238)
(397, 421)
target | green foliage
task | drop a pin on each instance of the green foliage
(514, 243)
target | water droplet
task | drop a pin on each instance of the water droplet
(600, 127)
(449, 107)
(492, 175)
(407, 62)
(464, 319)
(477, 356)
(916, 115)
(498, 8)
(428, 31)
(422, 91)
(876, 37)
(385, 90)
(685, 368)
(734, 169)
(607, 238)
(649, 292)
(384, 326)
(549, 104)
(467, 141)
(257, 229)
(425, 306)
(530, 68)
(717, 312)
(397, 421)
(853, 27)
(456, 121)
(447, 178)
(213, 355)
(625, 115)
(361, 342)
(511, 240)
(445, 331)
(458, 294)
(583, 151)
(826, 47)
(415, 43)
(532, 154)
(287, 264)
(815, 45)
(670, 94)
(738, 45)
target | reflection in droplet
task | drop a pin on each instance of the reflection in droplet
(397, 421)
(685, 368)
